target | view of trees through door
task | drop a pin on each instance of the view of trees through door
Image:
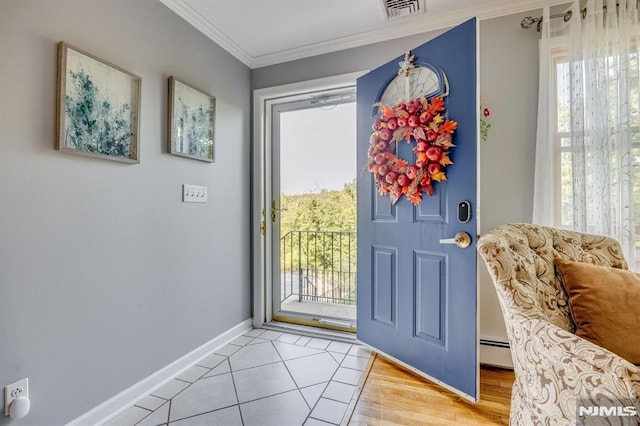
(317, 210)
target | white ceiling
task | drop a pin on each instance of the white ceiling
(267, 32)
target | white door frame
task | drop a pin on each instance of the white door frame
(263, 99)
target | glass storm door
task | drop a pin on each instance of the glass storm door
(313, 210)
(417, 292)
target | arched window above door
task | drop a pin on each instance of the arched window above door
(424, 80)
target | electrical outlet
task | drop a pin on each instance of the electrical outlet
(194, 194)
(11, 392)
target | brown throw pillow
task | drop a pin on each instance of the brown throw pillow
(605, 305)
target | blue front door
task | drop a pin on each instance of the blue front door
(417, 292)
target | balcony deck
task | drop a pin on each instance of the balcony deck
(318, 274)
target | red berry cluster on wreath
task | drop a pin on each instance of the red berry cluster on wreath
(418, 120)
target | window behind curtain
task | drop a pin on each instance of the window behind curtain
(564, 151)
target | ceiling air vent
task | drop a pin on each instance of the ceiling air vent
(401, 8)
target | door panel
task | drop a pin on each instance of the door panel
(417, 297)
(383, 210)
(434, 211)
(384, 285)
(429, 275)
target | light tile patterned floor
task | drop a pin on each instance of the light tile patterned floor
(262, 378)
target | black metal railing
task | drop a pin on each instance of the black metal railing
(319, 266)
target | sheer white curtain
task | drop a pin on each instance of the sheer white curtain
(588, 141)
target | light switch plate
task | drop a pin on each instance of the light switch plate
(194, 194)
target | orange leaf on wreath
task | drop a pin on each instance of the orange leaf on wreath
(422, 156)
(436, 105)
(437, 119)
(449, 126)
(415, 197)
(400, 166)
(445, 160)
(389, 155)
(428, 189)
(387, 112)
(407, 136)
(439, 177)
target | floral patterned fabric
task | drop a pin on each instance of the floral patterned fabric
(554, 368)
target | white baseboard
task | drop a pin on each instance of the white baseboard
(120, 402)
(495, 353)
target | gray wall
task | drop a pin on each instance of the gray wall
(105, 276)
(509, 85)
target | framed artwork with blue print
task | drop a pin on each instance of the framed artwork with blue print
(191, 122)
(98, 107)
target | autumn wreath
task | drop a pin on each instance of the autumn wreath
(421, 120)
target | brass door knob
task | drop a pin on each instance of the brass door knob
(461, 239)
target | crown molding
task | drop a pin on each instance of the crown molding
(405, 27)
(186, 12)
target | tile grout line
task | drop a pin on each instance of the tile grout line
(325, 388)
(226, 358)
(282, 360)
(203, 413)
(235, 389)
(296, 383)
(255, 366)
(150, 413)
(169, 411)
(269, 396)
(336, 381)
(294, 380)
(187, 387)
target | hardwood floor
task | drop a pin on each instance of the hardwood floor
(392, 395)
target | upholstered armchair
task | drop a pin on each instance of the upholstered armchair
(554, 368)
